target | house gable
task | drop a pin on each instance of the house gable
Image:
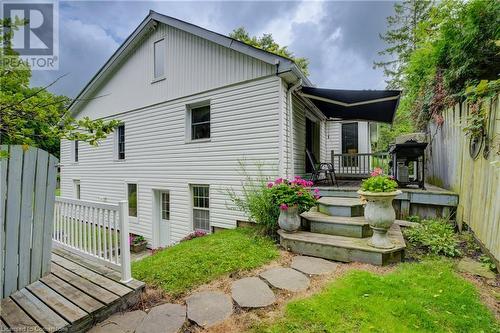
(196, 60)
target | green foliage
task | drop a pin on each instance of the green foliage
(34, 116)
(187, 265)
(256, 201)
(286, 193)
(488, 262)
(435, 236)
(416, 297)
(267, 43)
(378, 182)
(476, 94)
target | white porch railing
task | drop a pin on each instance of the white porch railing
(359, 165)
(96, 230)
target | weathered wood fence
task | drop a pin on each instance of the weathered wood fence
(476, 180)
(27, 194)
(96, 230)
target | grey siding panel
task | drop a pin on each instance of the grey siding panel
(244, 126)
(193, 65)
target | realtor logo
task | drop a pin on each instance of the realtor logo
(36, 42)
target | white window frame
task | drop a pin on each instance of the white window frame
(136, 183)
(116, 144)
(192, 207)
(189, 108)
(77, 189)
(161, 77)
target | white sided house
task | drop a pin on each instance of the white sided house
(194, 105)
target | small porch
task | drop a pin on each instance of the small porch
(75, 295)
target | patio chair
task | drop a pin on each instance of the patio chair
(319, 168)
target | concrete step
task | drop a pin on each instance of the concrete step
(345, 249)
(336, 225)
(340, 206)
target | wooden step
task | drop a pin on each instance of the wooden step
(321, 223)
(345, 249)
(340, 206)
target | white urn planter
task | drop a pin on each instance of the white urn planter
(289, 219)
(380, 214)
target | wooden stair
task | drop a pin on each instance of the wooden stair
(337, 230)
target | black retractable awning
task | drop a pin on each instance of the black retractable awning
(374, 105)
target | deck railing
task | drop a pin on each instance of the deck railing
(96, 230)
(359, 165)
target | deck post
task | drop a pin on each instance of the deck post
(124, 243)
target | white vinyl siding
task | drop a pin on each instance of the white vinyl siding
(244, 128)
(192, 65)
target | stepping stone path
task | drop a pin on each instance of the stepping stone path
(286, 278)
(313, 266)
(252, 292)
(120, 323)
(208, 308)
(165, 318)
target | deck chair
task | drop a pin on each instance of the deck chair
(321, 168)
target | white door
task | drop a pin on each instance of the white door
(164, 218)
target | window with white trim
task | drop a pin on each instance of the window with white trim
(201, 207)
(132, 199)
(120, 142)
(159, 59)
(200, 122)
(165, 205)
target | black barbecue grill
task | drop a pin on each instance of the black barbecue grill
(406, 157)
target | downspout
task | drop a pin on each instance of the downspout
(291, 130)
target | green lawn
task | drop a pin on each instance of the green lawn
(417, 297)
(200, 260)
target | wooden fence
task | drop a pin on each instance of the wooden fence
(476, 180)
(96, 230)
(27, 194)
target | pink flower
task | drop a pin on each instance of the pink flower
(316, 190)
(317, 196)
(269, 185)
(278, 181)
(298, 177)
(284, 207)
(309, 183)
(376, 172)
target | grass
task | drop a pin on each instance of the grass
(417, 297)
(200, 260)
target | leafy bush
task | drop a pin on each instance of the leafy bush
(297, 192)
(435, 236)
(260, 199)
(378, 182)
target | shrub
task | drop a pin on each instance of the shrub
(435, 236)
(378, 182)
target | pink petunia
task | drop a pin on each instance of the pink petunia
(269, 185)
(284, 207)
(316, 190)
(278, 181)
(298, 177)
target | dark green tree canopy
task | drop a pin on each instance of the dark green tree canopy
(33, 115)
(267, 43)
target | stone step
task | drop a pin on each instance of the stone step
(340, 206)
(345, 249)
(336, 225)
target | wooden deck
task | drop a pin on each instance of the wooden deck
(72, 298)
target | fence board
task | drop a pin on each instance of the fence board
(13, 213)
(29, 166)
(27, 195)
(39, 214)
(477, 181)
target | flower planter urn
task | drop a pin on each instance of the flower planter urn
(289, 219)
(380, 214)
(139, 247)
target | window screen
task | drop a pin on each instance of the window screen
(132, 199)
(159, 59)
(201, 205)
(200, 122)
